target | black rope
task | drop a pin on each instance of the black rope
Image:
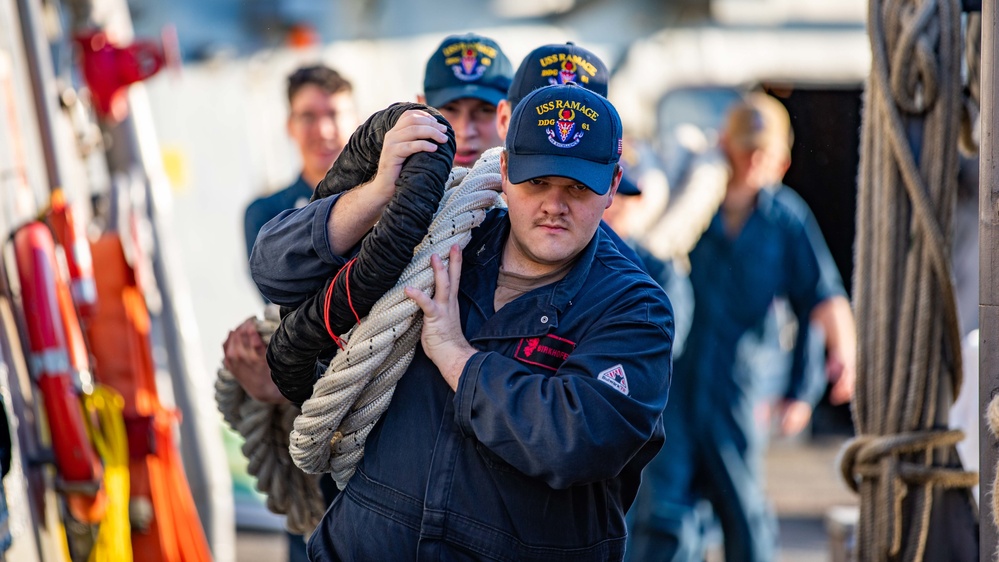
(385, 251)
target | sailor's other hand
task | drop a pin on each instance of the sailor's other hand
(793, 416)
(415, 131)
(442, 339)
(842, 375)
(245, 356)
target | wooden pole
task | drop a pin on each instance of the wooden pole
(988, 310)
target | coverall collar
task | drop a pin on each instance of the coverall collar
(530, 315)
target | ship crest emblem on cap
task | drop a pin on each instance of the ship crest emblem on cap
(566, 74)
(469, 68)
(565, 125)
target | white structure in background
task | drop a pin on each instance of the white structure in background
(745, 43)
(778, 12)
(964, 411)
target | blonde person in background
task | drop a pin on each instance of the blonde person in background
(762, 244)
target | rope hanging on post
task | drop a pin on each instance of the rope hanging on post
(971, 108)
(992, 417)
(909, 353)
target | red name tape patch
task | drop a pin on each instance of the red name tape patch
(548, 351)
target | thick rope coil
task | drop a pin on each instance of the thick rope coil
(265, 429)
(909, 350)
(306, 329)
(349, 399)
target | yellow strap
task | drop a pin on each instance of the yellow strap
(106, 428)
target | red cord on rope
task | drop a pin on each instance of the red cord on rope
(329, 297)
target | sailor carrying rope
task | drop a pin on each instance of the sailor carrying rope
(361, 318)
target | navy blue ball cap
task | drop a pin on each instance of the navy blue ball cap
(467, 66)
(627, 186)
(566, 131)
(558, 64)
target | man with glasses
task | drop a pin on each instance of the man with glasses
(321, 118)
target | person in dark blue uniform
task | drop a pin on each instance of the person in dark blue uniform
(762, 244)
(321, 118)
(520, 429)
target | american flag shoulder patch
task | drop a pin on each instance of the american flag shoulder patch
(615, 378)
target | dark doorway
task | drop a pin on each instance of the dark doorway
(824, 163)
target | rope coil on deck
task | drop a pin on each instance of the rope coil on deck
(265, 429)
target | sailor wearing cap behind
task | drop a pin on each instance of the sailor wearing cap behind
(563, 63)
(465, 79)
(557, 63)
(520, 429)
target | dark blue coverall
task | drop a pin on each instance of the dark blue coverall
(263, 209)
(538, 454)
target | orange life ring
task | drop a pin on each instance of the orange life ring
(56, 348)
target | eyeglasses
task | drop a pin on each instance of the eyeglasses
(310, 119)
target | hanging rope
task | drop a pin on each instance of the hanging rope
(265, 429)
(909, 353)
(357, 388)
(971, 108)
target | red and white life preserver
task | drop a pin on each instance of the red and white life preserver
(52, 359)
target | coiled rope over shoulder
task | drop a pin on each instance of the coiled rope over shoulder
(909, 353)
(330, 433)
(305, 333)
(358, 386)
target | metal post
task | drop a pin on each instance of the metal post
(43, 89)
(988, 310)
